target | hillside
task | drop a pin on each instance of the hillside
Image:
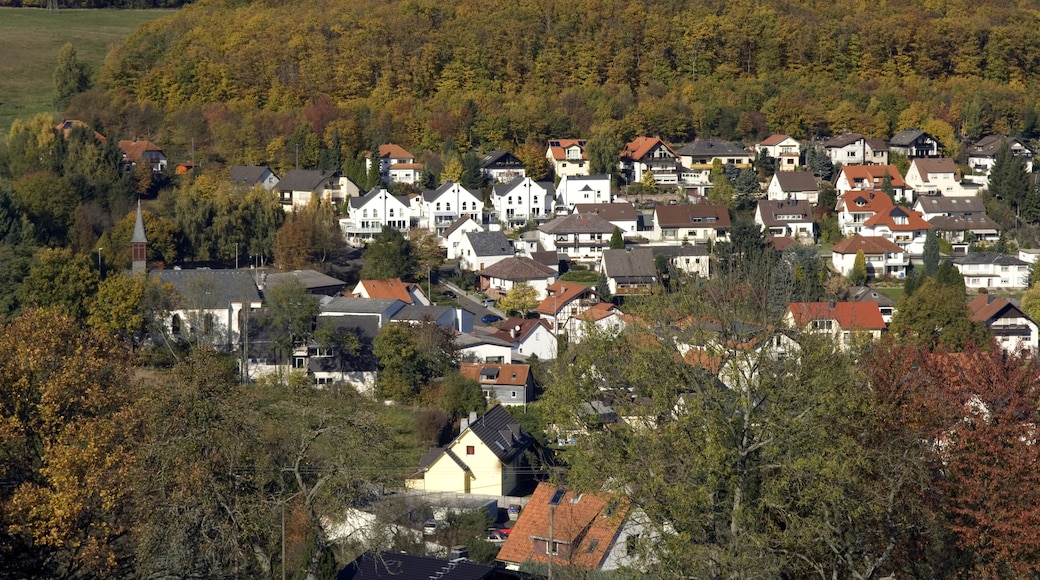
(30, 40)
(426, 74)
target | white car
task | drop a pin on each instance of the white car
(430, 527)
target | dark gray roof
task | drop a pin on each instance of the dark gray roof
(578, 223)
(490, 244)
(365, 328)
(843, 140)
(868, 294)
(432, 194)
(797, 181)
(501, 433)
(500, 158)
(305, 180)
(501, 189)
(402, 566)
(944, 204)
(906, 137)
(620, 211)
(210, 289)
(990, 144)
(360, 305)
(775, 213)
(311, 279)
(248, 174)
(630, 264)
(418, 312)
(456, 225)
(990, 258)
(712, 148)
(465, 340)
(546, 258)
(358, 202)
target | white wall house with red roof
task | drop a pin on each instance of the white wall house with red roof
(902, 226)
(784, 149)
(567, 157)
(846, 323)
(883, 258)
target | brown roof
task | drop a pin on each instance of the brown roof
(526, 326)
(869, 245)
(508, 374)
(586, 525)
(608, 211)
(797, 181)
(874, 175)
(715, 216)
(558, 147)
(599, 311)
(517, 268)
(775, 213)
(773, 139)
(560, 294)
(927, 167)
(985, 308)
(135, 149)
(914, 221)
(395, 151)
(781, 243)
(66, 127)
(850, 315)
(578, 223)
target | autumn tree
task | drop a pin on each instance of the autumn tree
(289, 314)
(127, 306)
(521, 298)
(66, 427)
(937, 314)
(70, 76)
(411, 356)
(308, 236)
(388, 255)
(61, 279)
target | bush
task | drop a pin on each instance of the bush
(431, 426)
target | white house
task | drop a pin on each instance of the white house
(442, 206)
(370, 213)
(649, 155)
(527, 336)
(785, 150)
(502, 167)
(523, 199)
(567, 157)
(300, 186)
(913, 144)
(573, 190)
(702, 154)
(391, 155)
(583, 237)
(794, 185)
(208, 304)
(474, 347)
(843, 321)
(696, 224)
(603, 317)
(565, 300)
(992, 270)
(983, 154)
(855, 149)
(1013, 329)
(499, 278)
(903, 227)
(883, 258)
(856, 207)
(452, 237)
(868, 177)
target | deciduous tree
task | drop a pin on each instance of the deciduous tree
(389, 255)
(521, 298)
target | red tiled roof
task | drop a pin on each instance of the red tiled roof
(560, 294)
(774, 139)
(849, 315)
(390, 288)
(394, 151)
(640, 146)
(508, 374)
(872, 200)
(585, 524)
(869, 245)
(781, 243)
(874, 174)
(558, 147)
(526, 325)
(66, 126)
(914, 221)
(985, 307)
(599, 311)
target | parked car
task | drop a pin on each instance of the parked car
(497, 538)
(430, 527)
(491, 318)
(450, 294)
(500, 530)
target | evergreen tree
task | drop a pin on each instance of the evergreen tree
(858, 276)
(765, 165)
(931, 253)
(617, 242)
(472, 177)
(603, 286)
(886, 186)
(1008, 180)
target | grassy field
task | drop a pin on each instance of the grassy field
(30, 39)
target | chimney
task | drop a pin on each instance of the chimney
(472, 416)
(463, 424)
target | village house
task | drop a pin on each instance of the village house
(451, 238)
(936, 176)
(573, 190)
(479, 347)
(961, 221)
(693, 223)
(652, 156)
(855, 207)
(855, 149)
(567, 157)
(370, 213)
(621, 214)
(391, 288)
(573, 531)
(582, 237)
(1012, 328)
(441, 207)
(886, 305)
(67, 126)
(137, 151)
(396, 165)
(914, 144)
(602, 317)
(872, 177)
(249, 176)
(501, 167)
(527, 337)
(883, 258)
(313, 281)
(845, 322)
(510, 385)
(208, 304)
(565, 300)
(785, 150)
(992, 270)
(300, 187)
(499, 278)
(903, 227)
(486, 458)
(792, 219)
(630, 272)
(793, 185)
(480, 250)
(983, 153)
(693, 260)
(523, 199)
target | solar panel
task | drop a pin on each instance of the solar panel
(557, 496)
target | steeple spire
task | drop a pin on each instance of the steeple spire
(138, 244)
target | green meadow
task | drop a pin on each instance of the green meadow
(30, 39)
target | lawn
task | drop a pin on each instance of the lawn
(30, 39)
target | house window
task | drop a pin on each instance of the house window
(822, 324)
(471, 450)
(364, 213)
(513, 394)
(438, 206)
(447, 206)
(299, 362)
(375, 213)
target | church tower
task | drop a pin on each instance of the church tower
(138, 245)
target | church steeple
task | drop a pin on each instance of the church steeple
(138, 244)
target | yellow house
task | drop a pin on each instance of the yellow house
(487, 458)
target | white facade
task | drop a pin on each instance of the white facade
(440, 207)
(370, 213)
(521, 200)
(573, 190)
